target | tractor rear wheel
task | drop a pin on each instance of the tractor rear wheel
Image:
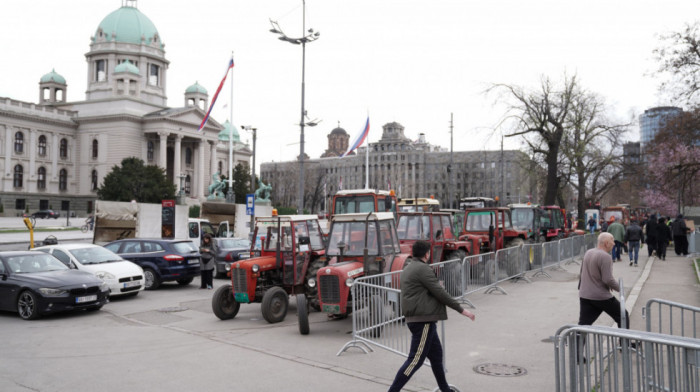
(312, 292)
(274, 305)
(303, 314)
(224, 304)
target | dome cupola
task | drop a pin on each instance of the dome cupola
(229, 129)
(52, 88)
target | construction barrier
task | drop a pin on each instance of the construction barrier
(671, 318)
(597, 358)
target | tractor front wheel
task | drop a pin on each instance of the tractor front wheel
(274, 305)
(224, 304)
(303, 314)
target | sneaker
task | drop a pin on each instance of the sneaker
(630, 263)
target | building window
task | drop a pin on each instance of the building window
(63, 180)
(41, 147)
(93, 181)
(188, 182)
(221, 166)
(188, 157)
(101, 70)
(20, 204)
(154, 75)
(19, 142)
(63, 149)
(95, 145)
(18, 177)
(41, 178)
(149, 151)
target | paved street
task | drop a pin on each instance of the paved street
(170, 340)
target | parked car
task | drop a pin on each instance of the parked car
(43, 214)
(36, 283)
(122, 276)
(161, 260)
(228, 251)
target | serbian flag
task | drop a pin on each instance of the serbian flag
(216, 95)
(359, 139)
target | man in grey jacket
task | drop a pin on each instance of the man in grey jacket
(423, 300)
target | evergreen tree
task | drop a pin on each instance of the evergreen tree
(136, 181)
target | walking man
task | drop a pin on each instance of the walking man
(633, 237)
(680, 231)
(650, 232)
(591, 224)
(423, 300)
(596, 282)
(663, 236)
(618, 232)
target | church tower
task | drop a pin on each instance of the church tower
(338, 141)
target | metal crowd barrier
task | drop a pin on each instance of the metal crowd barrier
(671, 318)
(598, 358)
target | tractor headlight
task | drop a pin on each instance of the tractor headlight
(349, 282)
(256, 268)
(311, 282)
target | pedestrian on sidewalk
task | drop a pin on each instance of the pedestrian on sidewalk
(633, 237)
(596, 282)
(207, 262)
(663, 236)
(680, 230)
(650, 233)
(423, 300)
(591, 224)
(618, 232)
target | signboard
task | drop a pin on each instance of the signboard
(168, 219)
(250, 204)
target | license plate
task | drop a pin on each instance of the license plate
(244, 256)
(193, 261)
(87, 298)
(131, 284)
(335, 309)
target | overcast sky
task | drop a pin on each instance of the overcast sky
(413, 62)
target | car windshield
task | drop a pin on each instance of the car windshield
(96, 255)
(230, 243)
(523, 218)
(28, 264)
(185, 247)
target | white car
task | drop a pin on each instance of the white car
(123, 277)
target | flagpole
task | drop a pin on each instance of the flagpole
(229, 195)
(367, 159)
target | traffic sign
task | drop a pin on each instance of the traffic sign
(250, 204)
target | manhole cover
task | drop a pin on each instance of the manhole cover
(500, 370)
(172, 309)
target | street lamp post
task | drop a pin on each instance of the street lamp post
(252, 173)
(309, 36)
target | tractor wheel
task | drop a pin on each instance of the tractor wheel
(376, 314)
(490, 275)
(457, 254)
(223, 304)
(455, 271)
(515, 242)
(303, 314)
(312, 292)
(274, 305)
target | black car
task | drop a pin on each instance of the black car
(34, 283)
(161, 260)
(228, 251)
(43, 214)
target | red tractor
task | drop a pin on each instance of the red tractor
(436, 228)
(288, 252)
(555, 225)
(359, 245)
(493, 227)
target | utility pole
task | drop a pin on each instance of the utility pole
(450, 167)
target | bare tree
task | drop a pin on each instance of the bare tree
(679, 57)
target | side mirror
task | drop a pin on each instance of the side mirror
(387, 204)
(304, 240)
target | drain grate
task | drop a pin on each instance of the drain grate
(500, 370)
(172, 309)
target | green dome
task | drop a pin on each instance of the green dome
(128, 25)
(126, 66)
(228, 128)
(53, 77)
(196, 88)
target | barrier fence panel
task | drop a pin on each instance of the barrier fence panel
(550, 252)
(578, 247)
(591, 241)
(566, 249)
(671, 318)
(480, 272)
(531, 256)
(509, 263)
(598, 358)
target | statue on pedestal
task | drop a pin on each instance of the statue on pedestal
(216, 188)
(263, 192)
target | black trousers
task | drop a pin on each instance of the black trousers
(652, 246)
(591, 309)
(425, 343)
(661, 249)
(207, 278)
(680, 243)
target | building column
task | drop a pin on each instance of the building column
(177, 162)
(200, 171)
(163, 150)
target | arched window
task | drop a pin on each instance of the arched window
(41, 178)
(18, 178)
(63, 179)
(188, 156)
(41, 147)
(95, 145)
(93, 181)
(19, 142)
(221, 166)
(149, 151)
(188, 182)
(63, 149)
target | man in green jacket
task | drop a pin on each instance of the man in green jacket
(423, 300)
(618, 231)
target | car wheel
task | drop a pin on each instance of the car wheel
(274, 305)
(27, 306)
(152, 279)
(303, 314)
(223, 303)
(185, 281)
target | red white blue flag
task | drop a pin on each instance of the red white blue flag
(216, 95)
(359, 139)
